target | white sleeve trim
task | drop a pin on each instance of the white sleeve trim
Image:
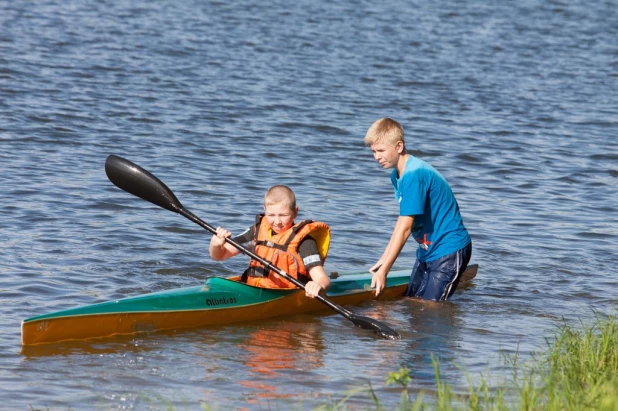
(315, 258)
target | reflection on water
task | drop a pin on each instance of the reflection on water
(111, 345)
(274, 355)
(433, 325)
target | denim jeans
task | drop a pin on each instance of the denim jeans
(437, 280)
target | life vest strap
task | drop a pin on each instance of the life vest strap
(258, 271)
(262, 272)
(271, 244)
(295, 231)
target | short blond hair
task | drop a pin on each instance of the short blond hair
(280, 194)
(385, 130)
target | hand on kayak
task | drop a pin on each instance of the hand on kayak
(378, 281)
(312, 289)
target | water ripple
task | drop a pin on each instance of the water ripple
(513, 103)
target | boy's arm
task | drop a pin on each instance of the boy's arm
(378, 263)
(319, 281)
(308, 251)
(400, 235)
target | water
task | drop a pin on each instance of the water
(514, 102)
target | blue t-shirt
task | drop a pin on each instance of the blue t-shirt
(422, 192)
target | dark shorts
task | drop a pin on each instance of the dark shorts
(437, 280)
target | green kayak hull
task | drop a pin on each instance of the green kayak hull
(217, 301)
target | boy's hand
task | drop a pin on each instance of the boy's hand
(312, 289)
(378, 281)
(219, 238)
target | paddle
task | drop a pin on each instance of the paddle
(135, 180)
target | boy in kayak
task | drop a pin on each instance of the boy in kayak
(428, 210)
(298, 249)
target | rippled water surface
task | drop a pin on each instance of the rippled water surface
(514, 102)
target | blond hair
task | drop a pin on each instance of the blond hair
(385, 130)
(280, 195)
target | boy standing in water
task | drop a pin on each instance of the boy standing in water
(428, 210)
(298, 249)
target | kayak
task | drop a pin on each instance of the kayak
(217, 301)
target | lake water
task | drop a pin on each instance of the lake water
(514, 102)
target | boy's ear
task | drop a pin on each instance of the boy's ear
(400, 147)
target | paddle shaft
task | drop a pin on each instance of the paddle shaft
(188, 214)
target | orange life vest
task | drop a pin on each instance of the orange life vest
(282, 251)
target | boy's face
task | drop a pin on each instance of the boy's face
(280, 216)
(386, 154)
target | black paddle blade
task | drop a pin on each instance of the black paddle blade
(370, 324)
(135, 180)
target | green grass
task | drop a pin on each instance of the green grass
(577, 371)
(580, 370)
